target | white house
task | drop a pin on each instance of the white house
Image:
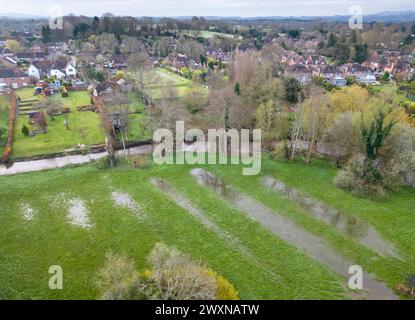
(39, 69)
(70, 69)
(33, 71)
(368, 79)
(59, 69)
(57, 73)
(63, 68)
(338, 81)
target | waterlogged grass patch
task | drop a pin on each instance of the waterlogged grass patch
(27, 211)
(125, 201)
(78, 213)
(75, 209)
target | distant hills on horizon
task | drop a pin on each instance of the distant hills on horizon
(387, 16)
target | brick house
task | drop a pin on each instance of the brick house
(14, 78)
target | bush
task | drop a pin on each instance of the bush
(281, 151)
(173, 276)
(350, 80)
(25, 130)
(65, 93)
(119, 280)
(361, 177)
(224, 289)
(102, 163)
(176, 277)
(139, 161)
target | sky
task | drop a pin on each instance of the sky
(171, 8)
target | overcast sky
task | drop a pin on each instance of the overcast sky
(244, 8)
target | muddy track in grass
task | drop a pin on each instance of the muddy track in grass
(231, 240)
(283, 228)
(346, 224)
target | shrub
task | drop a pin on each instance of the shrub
(25, 130)
(281, 151)
(361, 177)
(176, 277)
(40, 120)
(139, 161)
(65, 93)
(173, 276)
(224, 289)
(102, 163)
(119, 280)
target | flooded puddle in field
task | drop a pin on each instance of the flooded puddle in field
(76, 209)
(346, 224)
(124, 200)
(27, 211)
(78, 213)
(233, 241)
(283, 228)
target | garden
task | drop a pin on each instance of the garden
(63, 132)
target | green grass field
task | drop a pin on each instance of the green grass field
(160, 78)
(207, 34)
(27, 93)
(29, 248)
(84, 128)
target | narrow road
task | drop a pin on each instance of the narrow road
(59, 162)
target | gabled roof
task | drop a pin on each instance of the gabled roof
(329, 69)
(6, 51)
(355, 67)
(30, 55)
(60, 63)
(104, 85)
(43, 66)
(392, 53)
(119, 58)
(298, 68)
(375, 58)
(314, 59)
(11, 73)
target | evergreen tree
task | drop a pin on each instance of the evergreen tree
(332, 40)
(375, 135)
(46, 34)
(292, 90)
(360, 53)
(342, 51)
(237, 88)
(95, 24)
